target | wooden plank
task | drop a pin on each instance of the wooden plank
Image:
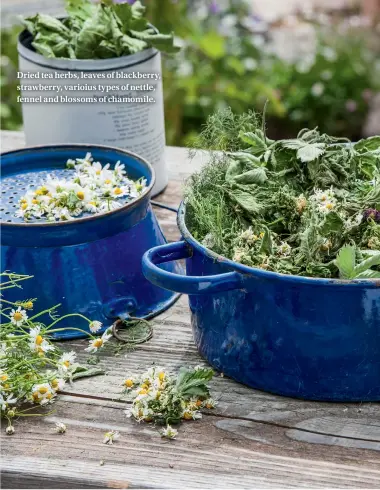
(36, 457)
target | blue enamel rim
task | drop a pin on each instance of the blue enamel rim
(87, 148)
(268, 275)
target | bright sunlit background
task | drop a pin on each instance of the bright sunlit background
(316, 62)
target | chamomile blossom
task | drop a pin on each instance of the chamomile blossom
(18, 317)
(169, 432)
(42, 394)
(325, 200)
(96, 344)
(37, 343)
(66, 362)
(95, 326)
(91, 188)
(111, 436)
(60, 428)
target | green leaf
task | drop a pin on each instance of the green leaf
(257, 143)
(266, 243)
(310, 152)
(367, 264)
(244, 156)
(246, 200)
(212, 45)
(192, 382)
(369, 144)
(332, 223)
(368, 274)
(234, 169)
(345, 261)
(255, 176)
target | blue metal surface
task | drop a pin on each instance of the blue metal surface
(90, 265)
(316, 339)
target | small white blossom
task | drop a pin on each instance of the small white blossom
(169, 432)
(60, 428)
(95, 326)
(111, 436)
(317, 89)
(96, 344)
(18, 317)
(37, 343)
(10, 430)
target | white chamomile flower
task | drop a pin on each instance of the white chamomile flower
(119, 170)
(42, 394)
(210, 403)
(18, 317)
(67, 361)
(11, 399)
(57, 384)
(111, 436)
(317, 89)
(109, 206)
(169, 432)
(10, 430)
(96, 344)
(62, 214)
(189, 414)
(60, 428)
(37, 343)
(95, 326)
(284, 249)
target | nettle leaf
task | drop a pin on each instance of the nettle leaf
(255, 176)
(95, 30)
(254, 140)
(246, 200)
(138, 10)
(246, 157)
(345, 261)
(368, 274)
(193, 382)
(159, 41)
(310, 152)
(367, 264)
(266, 243)
(292, 144)
(332, 223)
(235, 168)
(369, 144)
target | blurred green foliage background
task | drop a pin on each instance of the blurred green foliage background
(227, 59)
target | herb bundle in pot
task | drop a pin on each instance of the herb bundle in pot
(96, 78)
(308, 206)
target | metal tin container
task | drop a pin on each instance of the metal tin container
(316, 339)
(56, 118)
(90, 265)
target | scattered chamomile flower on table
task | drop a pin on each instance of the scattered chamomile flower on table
(166, 399)
(169, 432)
(88, 188)
(111, 436)
(95, 326)
(60, 428)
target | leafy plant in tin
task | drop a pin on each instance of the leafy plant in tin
(96, 31)
(307, 206)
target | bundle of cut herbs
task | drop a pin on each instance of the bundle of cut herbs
(101, 30)
(308, 206)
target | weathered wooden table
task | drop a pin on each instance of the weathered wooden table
(251, 440)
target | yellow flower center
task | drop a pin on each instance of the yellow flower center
(93, 203)
(198, 403)
(323, 197)
(35, 396)
(39, 340)
(158, 394)
(144, 386)
(4, 377)
(48, 396)
(98, 172)
(128, 383)
(329, 205)
(143, 392)
(66, 363)
(161, 376)
(187, 416)
(107, 181)
(98, 343)
(44, 190)
(54, 384)
(38, 192)
(262, 234)
(43, 390)
(24, 206)
(208, 405)
(80, 195)
(117, 191)
(17, 316)
(28, 305)
(6, 386)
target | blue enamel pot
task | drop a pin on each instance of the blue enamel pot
(90, 265)
(316, 339)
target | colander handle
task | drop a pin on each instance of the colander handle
(184, 284)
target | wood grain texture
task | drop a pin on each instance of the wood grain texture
(204, 453)
(251, 440)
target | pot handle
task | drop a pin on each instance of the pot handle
(182, 283)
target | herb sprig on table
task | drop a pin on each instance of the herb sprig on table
(96, 31)
(307, 206)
